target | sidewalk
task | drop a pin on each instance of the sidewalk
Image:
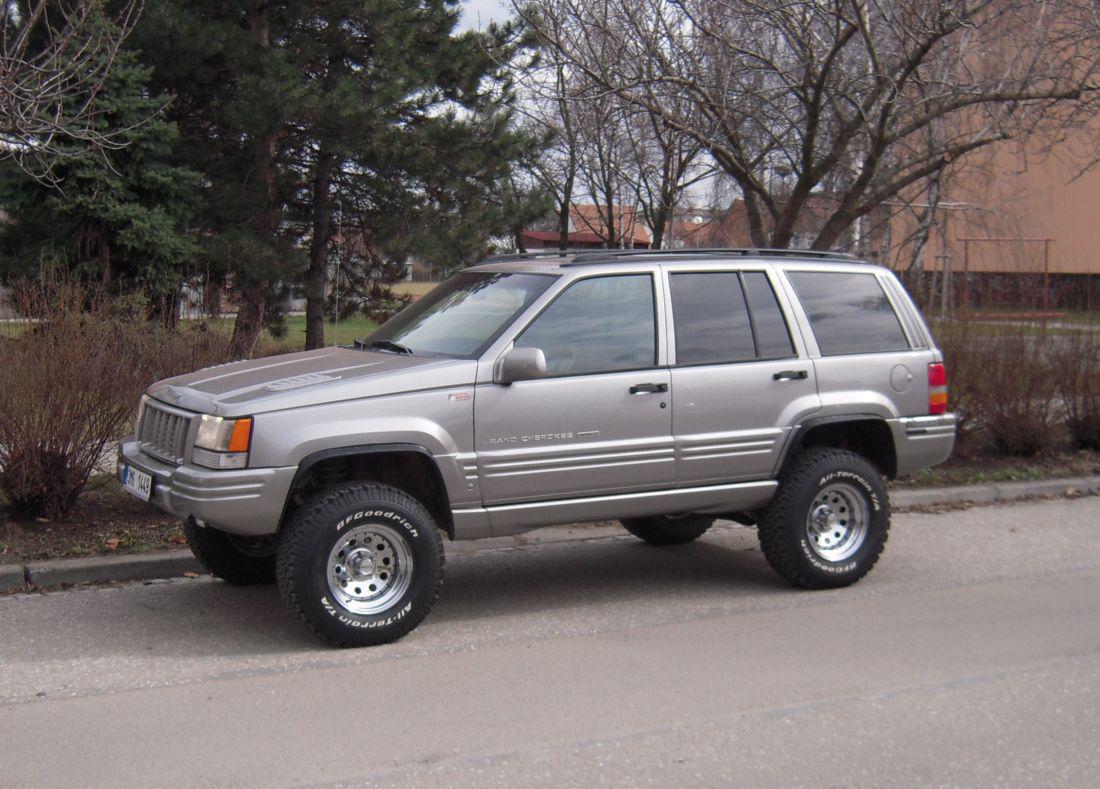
(169, 564)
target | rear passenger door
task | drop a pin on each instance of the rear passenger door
(739, 383)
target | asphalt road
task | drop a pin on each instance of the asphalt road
(970, 656)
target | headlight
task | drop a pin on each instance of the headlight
(222, 443)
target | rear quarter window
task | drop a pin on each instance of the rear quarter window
(848, 312)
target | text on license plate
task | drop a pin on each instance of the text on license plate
(137, 482)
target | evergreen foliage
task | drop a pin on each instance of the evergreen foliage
(364, 130)
(118, 217)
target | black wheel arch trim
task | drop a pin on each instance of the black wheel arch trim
(306, 464)
(800, 430)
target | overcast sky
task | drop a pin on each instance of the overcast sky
(478, 13)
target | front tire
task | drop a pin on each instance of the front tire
(829, 521)
(668, 529)
(360, 565)
(237, 560)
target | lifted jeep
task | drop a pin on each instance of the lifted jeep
(663, 389)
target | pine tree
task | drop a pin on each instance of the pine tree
(404, 132)
(232, 86)
(317, 119)
(119, 217)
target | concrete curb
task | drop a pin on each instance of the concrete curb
(102, 569)
(168, 564)
(996, 493)
(11, 577)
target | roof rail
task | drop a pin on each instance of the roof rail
(612, 255)
(506, 257)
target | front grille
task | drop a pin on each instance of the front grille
(163, 433)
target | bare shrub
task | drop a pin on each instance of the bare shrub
(963, 360)
(69, 385)
(1075, 361)
(1003, 386)
(1016, 389)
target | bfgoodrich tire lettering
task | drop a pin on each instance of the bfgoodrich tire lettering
(341, 545)
(829, 521)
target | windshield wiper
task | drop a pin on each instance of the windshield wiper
(389, 345)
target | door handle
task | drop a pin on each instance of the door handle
(791, 375)
(648, 388)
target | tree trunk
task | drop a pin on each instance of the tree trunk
(318, 251)
(563, 210)
(660, 221)
(252, 293)
(250, 322)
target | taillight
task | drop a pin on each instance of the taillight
(937, 389)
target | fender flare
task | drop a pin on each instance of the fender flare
(309, 461)
(806, 426)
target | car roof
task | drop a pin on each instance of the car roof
(558, 261)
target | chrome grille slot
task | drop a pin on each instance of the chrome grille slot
(163, 432)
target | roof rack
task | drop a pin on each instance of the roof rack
(507, 257)
(612, 255)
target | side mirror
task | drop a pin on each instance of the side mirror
(521, 364)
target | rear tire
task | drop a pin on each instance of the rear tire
(668, 529)
(237, 560)
(360, 565)
(829, 521)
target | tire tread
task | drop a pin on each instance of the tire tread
(779, 550)
(659, 530)
(316, 514)
(215, 553)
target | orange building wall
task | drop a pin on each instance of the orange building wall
(1010, 196)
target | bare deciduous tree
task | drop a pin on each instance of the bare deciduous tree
(54, 57)
(666, 163)
(548, 114)
(840, 95)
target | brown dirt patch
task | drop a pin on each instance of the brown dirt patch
(105, 521)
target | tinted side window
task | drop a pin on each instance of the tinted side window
(712, 321)
(602, 324)
(849, 313)
(773, 341)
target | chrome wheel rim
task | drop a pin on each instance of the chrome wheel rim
(369, 569)
(836, 525)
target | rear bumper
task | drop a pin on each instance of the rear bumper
(249, 501)
(922, 441)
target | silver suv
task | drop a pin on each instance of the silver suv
(662, 389)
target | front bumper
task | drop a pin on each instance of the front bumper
(922, 441)
(248, 502)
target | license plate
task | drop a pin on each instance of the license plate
(137, 482)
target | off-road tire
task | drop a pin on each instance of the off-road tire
(240, 561)
(668, 529)
(315, 531)
(784, 529)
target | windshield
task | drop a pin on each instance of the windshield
(463, 315)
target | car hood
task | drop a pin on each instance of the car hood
(309, 378)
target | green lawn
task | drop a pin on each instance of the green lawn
(343, 333)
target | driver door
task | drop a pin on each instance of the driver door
(600, 422)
